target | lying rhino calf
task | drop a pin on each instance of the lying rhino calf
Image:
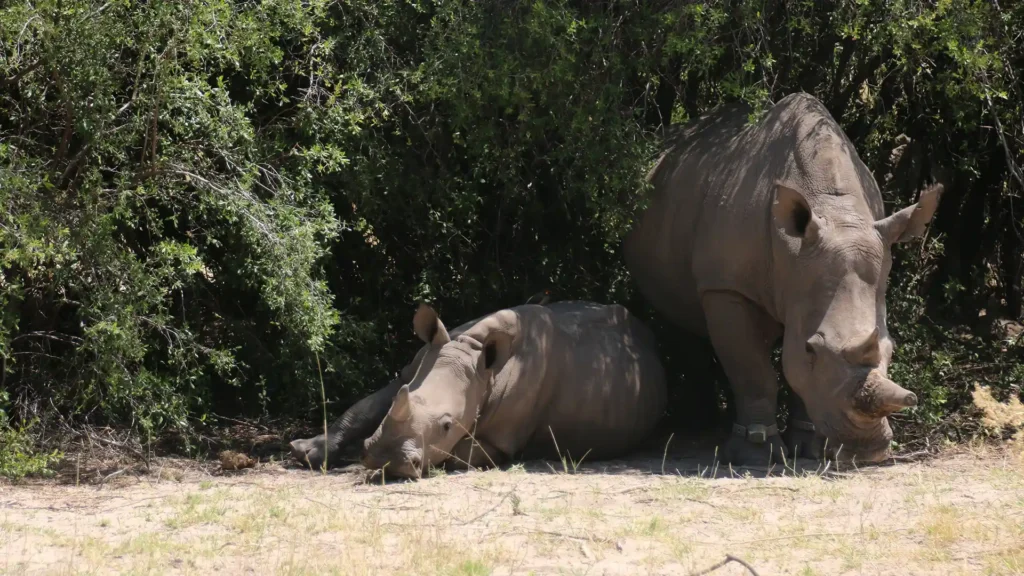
(358, 422)
(584, 375)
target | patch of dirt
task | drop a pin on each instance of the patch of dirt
(958, 513)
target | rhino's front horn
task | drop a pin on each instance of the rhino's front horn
(880, 396)
(892, 394)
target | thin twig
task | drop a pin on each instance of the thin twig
(113, 474)
(911, 456)
(492, 508)
(360, 504)
(114, 444)
(795, 536)
(570, 536)
(240, 422)
(728, 558)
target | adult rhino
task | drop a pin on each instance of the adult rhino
(585, 375)
(757, 231)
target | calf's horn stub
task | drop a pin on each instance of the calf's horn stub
(880, 396)
(400, 406)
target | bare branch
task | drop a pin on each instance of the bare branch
(14, 79)
(728, 558)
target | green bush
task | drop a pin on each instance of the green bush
(197, 197)
(18, 454)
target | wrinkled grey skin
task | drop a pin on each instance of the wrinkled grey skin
(582, 374)
(361, 419)
(777, 229)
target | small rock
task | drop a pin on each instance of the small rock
(230, 460)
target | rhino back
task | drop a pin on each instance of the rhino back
(708, 226)
(660, 250)
(608, 391)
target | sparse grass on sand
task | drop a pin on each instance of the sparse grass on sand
(959, 513)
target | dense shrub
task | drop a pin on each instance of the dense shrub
(198, 199)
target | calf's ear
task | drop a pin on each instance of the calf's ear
(429, 327)
(910, 222)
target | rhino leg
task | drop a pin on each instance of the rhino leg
(800, 436)
(359, 422)
(742, 335)
(470, 454)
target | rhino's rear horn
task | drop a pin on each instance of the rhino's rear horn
(865, 351)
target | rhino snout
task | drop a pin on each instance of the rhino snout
(408, 466)
(859, 444)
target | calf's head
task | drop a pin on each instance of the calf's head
(836, 350)
(430, 414)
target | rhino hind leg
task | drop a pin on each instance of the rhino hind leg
(474, 454)
(742, 335)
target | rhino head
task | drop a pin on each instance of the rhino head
(832, 260)
(437, 408)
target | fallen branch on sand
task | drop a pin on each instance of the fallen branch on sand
(728, 558)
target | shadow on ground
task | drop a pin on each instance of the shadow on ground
(668, 453)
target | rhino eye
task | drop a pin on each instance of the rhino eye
(446, 425)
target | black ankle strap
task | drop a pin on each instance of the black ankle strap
(802, 425)
(755, 433)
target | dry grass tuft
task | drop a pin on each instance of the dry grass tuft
(996, 415)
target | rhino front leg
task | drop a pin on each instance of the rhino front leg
(742, 335)
(474, 454)
(800, 436)
(357, 423)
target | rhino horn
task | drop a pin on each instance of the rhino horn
(880, 396)
(400, 407)
(892, 394)
(866, 351)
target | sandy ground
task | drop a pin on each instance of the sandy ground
(959, 513)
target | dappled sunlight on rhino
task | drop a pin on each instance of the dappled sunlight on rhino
(776, 230)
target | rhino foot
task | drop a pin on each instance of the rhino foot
(802, 441)
(746, 448)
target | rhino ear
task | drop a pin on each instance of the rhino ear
(793, 215)
(909, 223)
(429, 327)
(400, 405)
(497, 349)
